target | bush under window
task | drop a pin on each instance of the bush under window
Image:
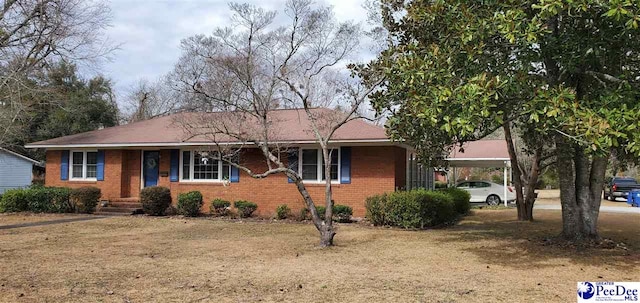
(85, 198)
(155, 200)
(220, 207)
(245, 208)
(342, 213)
(282, 212)
(189, 204)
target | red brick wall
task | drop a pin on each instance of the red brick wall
(111, 187)
(374, 170)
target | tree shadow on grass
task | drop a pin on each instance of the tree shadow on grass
(498, 238)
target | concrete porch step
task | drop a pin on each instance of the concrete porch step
(126, 199)
(125, 204)
(106, 213)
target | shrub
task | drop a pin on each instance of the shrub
(437, 208)
(460, 198)
(155, 200)
(60, 198)
(321, 211)
(85, 198)
(342, 213)
(38, 199)
(14, 200)
(245, 208)
(283, 211)
(220, 207)
(411, 209)
(376, 209)
(304, 214)
(189, 204)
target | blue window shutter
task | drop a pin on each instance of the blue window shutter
(64, 165)
(235, 174)
(345, 165)
(174, 169)
(293, 161)
(100, 166)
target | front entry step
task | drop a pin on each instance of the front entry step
(121, 207)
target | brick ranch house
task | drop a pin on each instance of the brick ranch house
(122, 160)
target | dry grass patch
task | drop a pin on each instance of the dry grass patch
(19, 218)
(487, 257)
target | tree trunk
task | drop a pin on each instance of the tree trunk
(524, 202)
(327, 232)
(324, 227)
(581, 181)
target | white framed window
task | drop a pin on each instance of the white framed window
(311, 166)
(203, 166)
(84, 165)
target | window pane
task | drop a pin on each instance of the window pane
(91, 171)
(186, 163)
(205, 167)
(76, 172)
(92, 158)
(334, 165)
(77, 157)
(310, 164)
(226, 171)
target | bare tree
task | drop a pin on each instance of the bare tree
(253, 68)
(147, 100)
(35, 33)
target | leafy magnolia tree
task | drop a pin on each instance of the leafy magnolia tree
(253, 68)
(34, 34)
(564, 73)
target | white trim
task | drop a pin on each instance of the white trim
(84, 165)
(191, 179)
(320, 169)
(174, 144)
(141, 169)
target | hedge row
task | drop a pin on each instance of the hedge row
(156, 200)
(40, 199)
(417, 208)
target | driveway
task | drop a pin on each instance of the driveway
(611, 209)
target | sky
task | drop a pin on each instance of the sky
(149, 32)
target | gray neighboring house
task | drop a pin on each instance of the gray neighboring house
(16, 170)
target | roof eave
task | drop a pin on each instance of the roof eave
(181, 144)
(21, 156)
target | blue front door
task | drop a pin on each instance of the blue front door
(151, 170)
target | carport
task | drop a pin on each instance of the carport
(484, 154)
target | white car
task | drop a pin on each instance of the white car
(485, 191)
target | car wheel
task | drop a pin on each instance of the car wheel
(610, 197)
(493, 200)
